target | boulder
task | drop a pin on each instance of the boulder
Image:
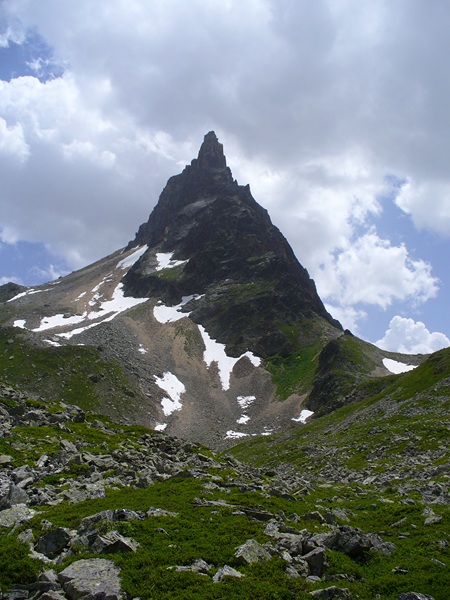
(113, 542)
(53, 542)
(317, 561)
(226, 571)
(251, 552)
(15, 515)
(92, 579)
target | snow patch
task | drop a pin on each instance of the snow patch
(165, 261)
(397, 367)
(129, 261)
(245, 401)
(53, 343)
(109, 309)
(59, 321)
(160, 426)
(303, 416)
(169, 314)
(174, 388)
(235, 434)
(26, 293)
(243, 420)
(142, 350)
(19, 323)
(215, 352)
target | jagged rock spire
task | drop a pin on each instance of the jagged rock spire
(251, 283)
(211, 154)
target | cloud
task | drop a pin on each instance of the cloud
(372, 271)
(315, 102)
(411, 337)
(12, 142)
(428, 203)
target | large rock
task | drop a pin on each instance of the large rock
(226, 571)
(15, 514)
(317, 561)
(53, 542)
(251, 552)
(113, 542)
(94, 579)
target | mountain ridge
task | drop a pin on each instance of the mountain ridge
(216, 328)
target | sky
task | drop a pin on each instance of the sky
(335, 112)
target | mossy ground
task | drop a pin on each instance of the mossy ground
(73, 374)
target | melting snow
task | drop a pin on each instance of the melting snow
(19, 323)
(397, 367)
(235, 434)
(165, 261)
(129, 261)
(170, 314)
(303, 416)
(52, 343)
(245, 401)
(27, 293)
(59, 321)
(243, 420)
(174, 388)
(215, 352)
(142, 350)
(110, 308)
(160, 426)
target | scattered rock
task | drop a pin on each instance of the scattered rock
(113, 542)
(53, 542)
(251, 552)
(226, 571)
(92, 579)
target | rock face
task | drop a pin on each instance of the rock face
(253, 286)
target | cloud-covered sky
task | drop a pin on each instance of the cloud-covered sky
(335, 111)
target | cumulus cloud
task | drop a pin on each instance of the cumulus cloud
(12, 141)
(411, 337)
(428, 203)
(372, 271)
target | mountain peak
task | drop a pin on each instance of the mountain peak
(211, 154)
(252, 285)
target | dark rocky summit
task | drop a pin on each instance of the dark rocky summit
(254, 287)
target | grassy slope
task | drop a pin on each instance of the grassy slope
(74, 374)
(382, 458)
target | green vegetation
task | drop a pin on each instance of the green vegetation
(378, 464)
(295, 373)
(171, 273)
(74, 374)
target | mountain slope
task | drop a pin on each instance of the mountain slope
(210, 322)
(353, 506)
(252, 285)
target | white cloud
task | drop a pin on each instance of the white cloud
(411, 337)
(428, 203)
(315, 103)
(12, 141)
(372, 271)
(348, 316)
